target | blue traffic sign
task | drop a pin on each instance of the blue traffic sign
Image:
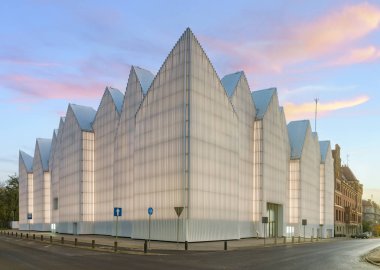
(29, 216)
(117, 211)
(150, 211)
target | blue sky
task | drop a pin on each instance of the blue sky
(53, 53)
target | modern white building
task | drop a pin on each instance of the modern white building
(326, 191)
(139, 82)
(54, 164)
(304, 180)
(76, 172)
(271, 164)
(237, 88)
(41, 186)
(25, 190)
(105, 127)
(184, 139)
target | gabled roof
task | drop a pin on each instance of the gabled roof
(117, 98)
(297, 135)
(230, 82)
(44, 146)
(347, 174)
(145, 78)
(84, 115)
(324, 147)
(27, 160)
(262, 99)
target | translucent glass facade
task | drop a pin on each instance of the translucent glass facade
(245, 109)
(210, 150)
(25, 189)
(182, 138)
(76, 174)
(271, 163)
(304, 181)
(105, 126)
(41, 186)
(123, 186)
(326, 191)
(54, 164)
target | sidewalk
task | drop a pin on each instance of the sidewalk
(107, 243)
(374, 257)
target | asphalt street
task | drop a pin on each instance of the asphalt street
(18, 254)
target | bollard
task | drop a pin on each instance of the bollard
(145, 246)
(275, 240)
(311, 239)
(317, 239)
(42, 237)
(21, 235)
(27, 236)
(51, 239)
(284, 239)
(299, 239)
(225, 245)
(93, 243)
(34, 236)
(292, 239)
(75, 241)
(16, 234)
(186, 245)
(62, 240)
(115, 246)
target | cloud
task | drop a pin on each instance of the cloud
(355, 56)
(298, 42)
(31, 88)
(306, 110)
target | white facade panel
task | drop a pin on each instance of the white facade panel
(271, 168)
(158, 152)
(245, 109)
(105, 126)
(212, 126)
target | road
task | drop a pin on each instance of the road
(20, 254)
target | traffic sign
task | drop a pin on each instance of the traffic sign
(117, 211)
(29, 216)
(178, 210)
(150, 211)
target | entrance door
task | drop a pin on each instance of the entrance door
(272, 210)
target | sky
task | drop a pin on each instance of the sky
(53, 53)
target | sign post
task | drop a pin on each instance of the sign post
(178, 211)
(29, 217)
(264, 220)
(304, 223)
(150, 213)
(117, 211)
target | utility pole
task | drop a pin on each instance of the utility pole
(316, 110)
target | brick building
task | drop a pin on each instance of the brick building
(348, 198)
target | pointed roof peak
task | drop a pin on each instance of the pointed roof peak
(324, 147)
(44, 147)
(117, 97)
(297, 134)
(145, 78)
(262, 99)
(230, 82)
(84, 115)
(27, 160)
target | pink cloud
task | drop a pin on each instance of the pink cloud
(306, 110)
(299, 42)
(32, 88)
(355, 56)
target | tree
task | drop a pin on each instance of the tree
(9, 201)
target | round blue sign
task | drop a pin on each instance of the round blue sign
(150, 211)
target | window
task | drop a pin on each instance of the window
(55, 203)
